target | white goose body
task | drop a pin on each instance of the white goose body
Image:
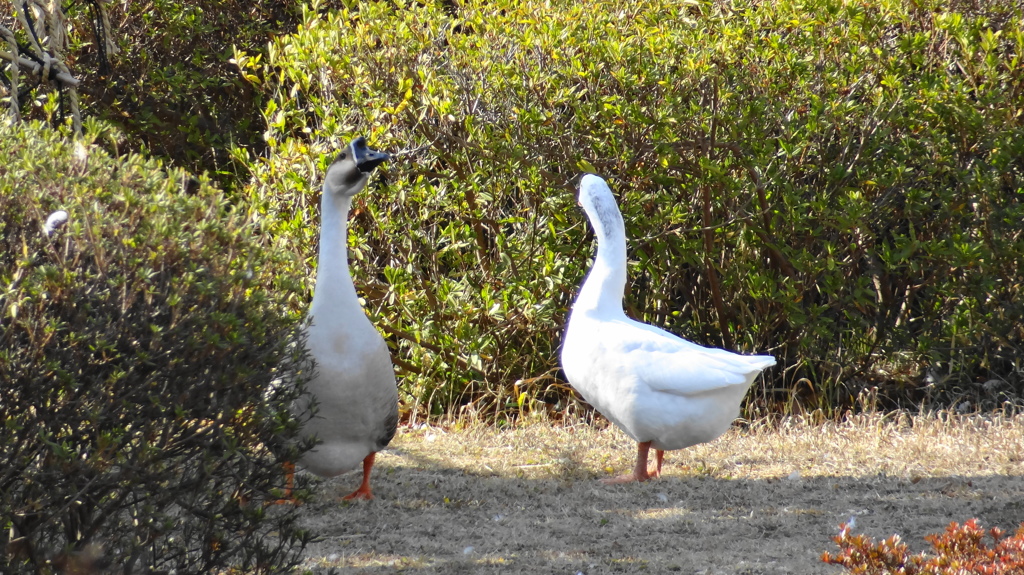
(663, 391)
(354, 385)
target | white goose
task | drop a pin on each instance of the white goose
(663, 391)
(354, 385)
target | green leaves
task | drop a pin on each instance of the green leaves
(138, 346)
(834, 168)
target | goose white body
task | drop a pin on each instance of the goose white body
(355, 389)
(653, 385)
(354, 386)
(663, 391)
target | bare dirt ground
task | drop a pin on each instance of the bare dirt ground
(764, 499)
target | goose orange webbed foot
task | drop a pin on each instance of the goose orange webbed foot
(640, 472)
(359, 494)
(364, 489)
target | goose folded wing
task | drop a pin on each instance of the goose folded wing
(687, 371)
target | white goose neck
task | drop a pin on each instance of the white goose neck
(334, 289)
(605, 285)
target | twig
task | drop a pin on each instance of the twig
(35, 68)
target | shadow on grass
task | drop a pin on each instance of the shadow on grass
(432, 515)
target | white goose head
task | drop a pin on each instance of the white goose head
(351, 169)
(606, 283)
(602, 210)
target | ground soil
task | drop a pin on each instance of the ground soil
(763, 499)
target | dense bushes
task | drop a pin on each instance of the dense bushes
(836, 183)
(137, 349)
(173, 88)
(161, 71)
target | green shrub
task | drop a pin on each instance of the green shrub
(168, 82)
(837, 183)
(960, 550)
(172, 87)
(141, 429)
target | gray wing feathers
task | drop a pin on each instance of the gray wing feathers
(390, 426)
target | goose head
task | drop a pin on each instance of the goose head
(602, 210)
(351, 169)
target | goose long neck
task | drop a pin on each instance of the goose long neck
(334, 290)
(606, 283)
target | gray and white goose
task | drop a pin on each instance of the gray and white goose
(354, 385)
(663, 391)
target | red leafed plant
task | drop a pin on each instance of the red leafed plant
(960, 550)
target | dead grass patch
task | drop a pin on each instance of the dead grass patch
(764, 498)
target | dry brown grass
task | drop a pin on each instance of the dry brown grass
(764, 498)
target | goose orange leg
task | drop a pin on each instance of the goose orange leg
(289, 484)
(364, 490)
(659, 456)
(640, 471)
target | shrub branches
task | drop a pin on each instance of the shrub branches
(142, 428)
(960, 550)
